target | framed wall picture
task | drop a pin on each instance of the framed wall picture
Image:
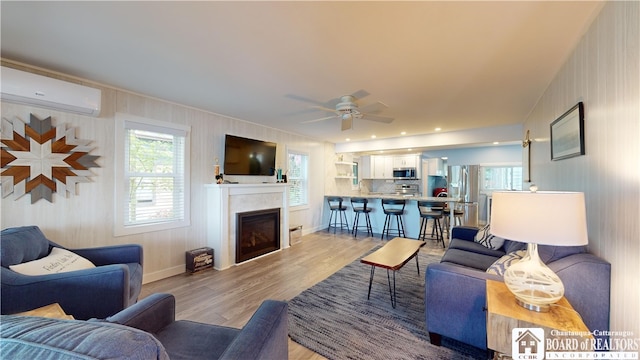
(567, 134)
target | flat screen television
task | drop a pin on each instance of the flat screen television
(244, 156)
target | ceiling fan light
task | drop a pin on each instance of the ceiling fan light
(347, 122)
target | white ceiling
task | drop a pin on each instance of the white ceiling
(451, 64)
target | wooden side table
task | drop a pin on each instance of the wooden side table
(53, 311)
(504, 314)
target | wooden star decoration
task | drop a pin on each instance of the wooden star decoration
(40, 159)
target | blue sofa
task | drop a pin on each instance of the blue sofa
(146, 330)
(111, 286)
(455, 288)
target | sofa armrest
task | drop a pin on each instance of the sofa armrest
(455, 301)
(95, 292)
(150, 314)
(117, 254)
(587, 286)
(265, 336)
(464, 233)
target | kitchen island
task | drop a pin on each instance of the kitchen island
(411, 216)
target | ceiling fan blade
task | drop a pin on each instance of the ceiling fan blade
(360, 94)
(377, 118)
(324, 109)
(327, 104)
(304, 99)
(321, 119)
(299, 112)
(374, 108)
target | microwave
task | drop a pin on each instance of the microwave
(407, 173)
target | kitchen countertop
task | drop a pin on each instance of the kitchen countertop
(393, 196)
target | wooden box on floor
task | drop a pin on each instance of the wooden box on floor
(295, 234)
(199, 259)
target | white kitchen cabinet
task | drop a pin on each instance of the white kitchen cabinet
(435, 167)
(382, 167)
(365, 168)
(405, 161)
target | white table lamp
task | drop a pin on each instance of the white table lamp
(546, 218)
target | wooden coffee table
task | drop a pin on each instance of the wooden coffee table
(393, 256)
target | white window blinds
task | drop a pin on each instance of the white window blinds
(297, 177)
(153, 191)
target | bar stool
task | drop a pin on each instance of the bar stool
(339, 210)
(457, 217)
(395, 208)
(457, 214)
(431, 210)
(359, 206)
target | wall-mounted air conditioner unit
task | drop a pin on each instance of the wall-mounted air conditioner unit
(30, 89)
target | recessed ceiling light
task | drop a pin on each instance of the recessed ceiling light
(495, 143)
(409, 149)
(347, 139)
(438, 129)
(403, 133)
(373, 136)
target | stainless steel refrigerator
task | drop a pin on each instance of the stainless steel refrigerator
(464, 183)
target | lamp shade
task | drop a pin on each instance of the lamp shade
(543, 217)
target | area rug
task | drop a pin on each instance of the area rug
(334, 318)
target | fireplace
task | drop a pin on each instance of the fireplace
(225, 201)
(257, 233)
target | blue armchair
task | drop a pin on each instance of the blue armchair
(147, 330)
(113, 285)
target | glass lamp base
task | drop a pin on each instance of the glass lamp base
(534, 285)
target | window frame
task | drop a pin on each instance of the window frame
(305, 180)
(511, 167)
(355, 170)
(121, 120)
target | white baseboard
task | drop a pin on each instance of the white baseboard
(306, 231)
(163, 274)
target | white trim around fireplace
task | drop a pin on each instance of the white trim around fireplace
(225, 200)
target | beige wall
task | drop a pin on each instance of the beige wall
(603, 72)
(86, 220)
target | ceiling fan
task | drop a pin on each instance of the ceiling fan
(347, 109)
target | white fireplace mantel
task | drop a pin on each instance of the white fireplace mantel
(224, 201)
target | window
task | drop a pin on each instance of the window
(297, 178)
(355, 183)
(152, 175)
(501, 178)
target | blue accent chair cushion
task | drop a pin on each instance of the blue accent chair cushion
(25, 337)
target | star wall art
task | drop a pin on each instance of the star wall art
(40, 159)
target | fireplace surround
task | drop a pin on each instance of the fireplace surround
(225, 201)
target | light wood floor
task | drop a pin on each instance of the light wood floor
(231, 296)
